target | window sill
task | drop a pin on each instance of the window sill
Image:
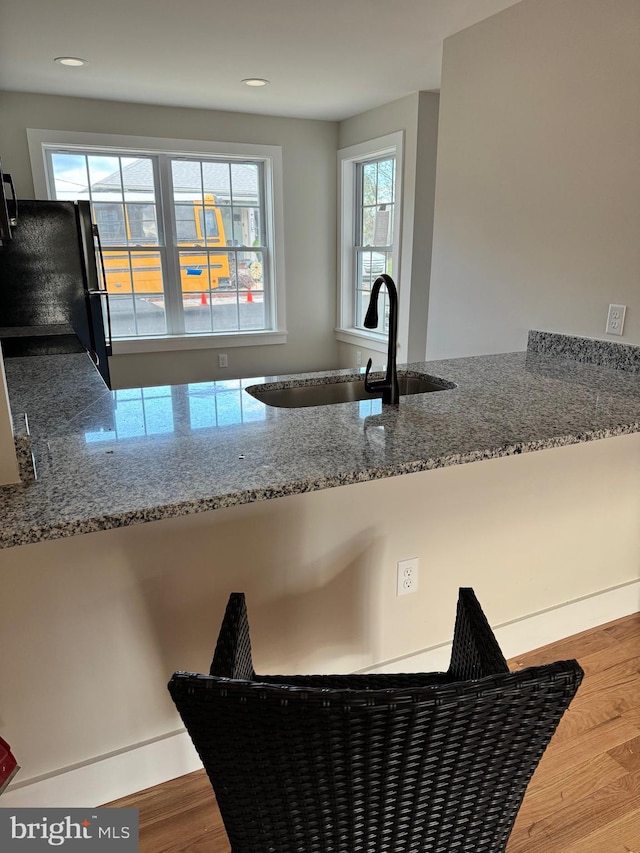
(167, 343)
(359, 338)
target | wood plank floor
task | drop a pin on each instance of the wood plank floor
(584, 796)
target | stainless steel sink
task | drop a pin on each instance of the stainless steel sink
(328, 393)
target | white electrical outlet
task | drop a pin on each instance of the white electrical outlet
(407, 576)
(223, 360)
(615, 319)
(358, 358)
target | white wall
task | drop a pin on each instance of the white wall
(417, 116)
(538, 179)
(309, 167)
(94, 625)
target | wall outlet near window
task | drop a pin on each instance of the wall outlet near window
(358, 358)
(223, 359)
(615, 319)
(407, 576)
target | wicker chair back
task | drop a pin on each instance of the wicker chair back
(407, 763)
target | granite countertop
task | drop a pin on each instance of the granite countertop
(109, 459)
(52, 339)
(35, 331)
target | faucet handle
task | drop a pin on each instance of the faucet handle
(367, 385)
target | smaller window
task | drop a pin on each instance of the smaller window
(370, 231)
(373, 242)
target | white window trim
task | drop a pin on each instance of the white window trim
(166, 343)
(348, 158)
(274, 203)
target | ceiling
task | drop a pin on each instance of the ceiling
(326, 59)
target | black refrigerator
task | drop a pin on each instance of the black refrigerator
(52, 298)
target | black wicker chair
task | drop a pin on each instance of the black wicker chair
(420, 763)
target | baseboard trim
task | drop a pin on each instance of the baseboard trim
(111, 777)
(107, 778)
(535, 630)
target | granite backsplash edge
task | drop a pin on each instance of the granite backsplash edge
(586, 350)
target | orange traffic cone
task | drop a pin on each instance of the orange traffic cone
(203, 299)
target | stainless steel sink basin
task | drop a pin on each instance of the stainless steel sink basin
(328, 393)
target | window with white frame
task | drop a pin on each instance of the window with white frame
(187, 238)
(370, 230)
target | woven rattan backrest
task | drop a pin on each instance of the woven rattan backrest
(475, 652)
(232, 656)
(419, 763)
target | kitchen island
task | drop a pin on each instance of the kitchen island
(308, 512)
(108, 459)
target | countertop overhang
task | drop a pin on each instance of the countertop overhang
(108, 459)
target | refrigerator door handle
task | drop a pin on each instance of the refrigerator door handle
(103, 290)
(6, 177)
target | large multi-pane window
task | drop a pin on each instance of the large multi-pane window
(369, 233)
(185, 240)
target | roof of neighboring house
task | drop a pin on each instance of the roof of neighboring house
(219, 179)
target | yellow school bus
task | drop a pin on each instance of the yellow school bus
(198, 226)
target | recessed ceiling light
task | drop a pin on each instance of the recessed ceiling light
(255, 81)
(70, 60)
